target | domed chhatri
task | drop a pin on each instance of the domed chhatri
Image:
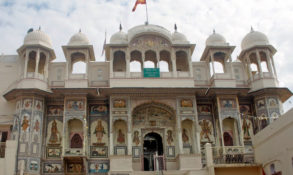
(79, 39)
(216, 39)
(119, 37)
(37, 37)
(254, 38)
(179, 38)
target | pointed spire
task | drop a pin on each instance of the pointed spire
(39, 27)
(175, 27)
(120, 27)
(214, 31)
(79, 30)
(251, 29)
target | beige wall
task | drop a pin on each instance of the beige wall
(238, 171)
(274, 144)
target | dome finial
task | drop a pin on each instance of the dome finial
(120, 27)
(175, 27)
(39, 27)
(214, 31)
(251, 29)
(79, 30)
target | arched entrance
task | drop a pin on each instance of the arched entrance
(152, 145)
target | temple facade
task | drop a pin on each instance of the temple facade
(148, 108)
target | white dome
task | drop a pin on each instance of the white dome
(79, 39)
(148, 29)
(179, 38)
(216, 39)
(119, 38)
(254, 38)
(37, 37)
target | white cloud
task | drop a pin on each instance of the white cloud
(195, 18)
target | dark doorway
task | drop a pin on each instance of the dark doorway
(152, 144)
(76, 141)
(228, 140)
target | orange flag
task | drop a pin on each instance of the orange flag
(138, 2)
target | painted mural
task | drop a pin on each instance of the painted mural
(27, 103)
(99, 167)
(273, 103)
(52, 167)
(247, 128)
(228, 103)
(186, 103)
(99, 151)
(99, 109)
(38, 105)
(54, 132)
(36, 128)
(55, 110)
(136, 138)
(75, 105)
(99, 132)
(170, 138)
(206, 131)
(119, 103)
(25, 127)
(204, 109)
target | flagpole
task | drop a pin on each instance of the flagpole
(147, 15)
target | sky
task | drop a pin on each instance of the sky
(60, 19)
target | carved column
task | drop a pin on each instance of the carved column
(37, 63)
(259, 64)
(25, 63)
(173, 60)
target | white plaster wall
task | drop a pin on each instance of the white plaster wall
(274, 144)
(10, 66)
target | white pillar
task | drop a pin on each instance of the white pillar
(25, 63)
(111, 63)
(209, 158)
(127, 59)
(249, 68)
(213, 65)
(158, 59)
(37, 63)
(87, 60)
(259, 64)
(190, 63)
(231, 67)
(173, 60)
(269, 63)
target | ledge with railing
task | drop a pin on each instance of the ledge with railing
(232, 155)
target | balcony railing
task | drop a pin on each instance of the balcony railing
(232, 155)
(2, 149)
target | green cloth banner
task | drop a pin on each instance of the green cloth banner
(151, 72)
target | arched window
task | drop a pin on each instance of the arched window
(219, 68)
(31, 65)
(164, 66)
(182, 61)
(79, 68)
(75, 132)
(150, 59)
(264, 66)
(135, 66)
(165, 61)
(135, 61)
(228, 140)
(119, 62)
(42, 63)
(78, 65)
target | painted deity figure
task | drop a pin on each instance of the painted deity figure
(205, 130)
(185, 137)
(246, 127)
(25, 123)
(121, 137)
(37, 126)
(169, 137)
(99, 131)
(136, 138)
(54, 133)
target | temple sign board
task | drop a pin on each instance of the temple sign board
(151, 72)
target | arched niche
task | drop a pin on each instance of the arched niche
(75, 133)
(119, 62)
(78, 63)
(165, 61)
(31, 65)
(42, 63)
(188, 136)
(153, 115)
(230, 132)
(182, 61)
(120, 132)
(150, 59)
(136, 61)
